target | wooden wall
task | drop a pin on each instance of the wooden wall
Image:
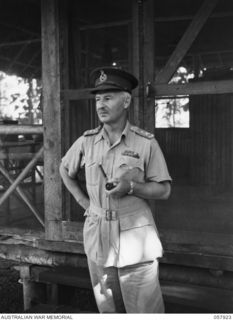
(211, 136)
(202, 154)
(176, 146)
(198, 216)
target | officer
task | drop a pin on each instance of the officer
(124, 167)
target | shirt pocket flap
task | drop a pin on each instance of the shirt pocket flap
(131, 162)
(135, 221)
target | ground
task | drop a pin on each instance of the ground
(11, 291)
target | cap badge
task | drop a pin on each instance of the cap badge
(103, 76)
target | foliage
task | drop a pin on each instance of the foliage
(20, 99)
(174, 112)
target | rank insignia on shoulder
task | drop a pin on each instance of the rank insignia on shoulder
(130, 153)
(92, 131)
(142, 133)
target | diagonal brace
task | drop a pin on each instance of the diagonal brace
(15, 185)
(186, 41)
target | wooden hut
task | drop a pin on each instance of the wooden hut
(61, 42)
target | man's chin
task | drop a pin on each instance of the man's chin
(103, 120)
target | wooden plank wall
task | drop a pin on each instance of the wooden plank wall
(176, 146)
(211, 136)
(198, 216)
(205, 149)
(174, 140)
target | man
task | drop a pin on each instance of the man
(124, 167)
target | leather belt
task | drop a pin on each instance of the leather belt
(112, 215)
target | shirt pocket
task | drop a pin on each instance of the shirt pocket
(135, 221)
(131, 162)
(130, 168)
(92, 171)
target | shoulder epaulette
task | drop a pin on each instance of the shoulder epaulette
(92, 131)
(142, 133)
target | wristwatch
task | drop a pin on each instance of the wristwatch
(131, 187)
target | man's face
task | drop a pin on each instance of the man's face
(111, 107)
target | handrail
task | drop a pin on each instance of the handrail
(20, 129)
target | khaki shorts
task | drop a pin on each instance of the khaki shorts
(131, 289)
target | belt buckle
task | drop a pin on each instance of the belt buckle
(110, 215)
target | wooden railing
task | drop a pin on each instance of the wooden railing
(15, 184)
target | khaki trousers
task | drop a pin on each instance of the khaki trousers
(131, 289)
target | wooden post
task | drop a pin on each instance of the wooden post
(148, 74)
(65, 101)
(52, 293)
(231, 142)
(144, 65)
(149, 64)
(135, 61)
(143, 61)
(52, 119)
(32, 291)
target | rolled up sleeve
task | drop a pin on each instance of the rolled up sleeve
(73, 157)
(156, 169)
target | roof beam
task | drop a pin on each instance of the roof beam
(195, 88)
(29, 64)
(17, 62)
(207, 52)
(165, 90)
(190, 17)
(157, 19)
(77, 94)
(18, 43)
(12, 26)
(105, 25)
(14, 60)
(186, 41)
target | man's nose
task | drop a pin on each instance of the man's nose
(100, 104)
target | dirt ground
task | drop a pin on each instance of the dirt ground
(11, 292)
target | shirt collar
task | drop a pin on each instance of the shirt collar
(125, 134)
(99, 136)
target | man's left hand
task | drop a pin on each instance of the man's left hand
(121, 189)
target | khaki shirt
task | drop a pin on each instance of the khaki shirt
(132, 236)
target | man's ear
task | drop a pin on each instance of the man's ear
(127, 102)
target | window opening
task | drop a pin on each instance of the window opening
(173, 112)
